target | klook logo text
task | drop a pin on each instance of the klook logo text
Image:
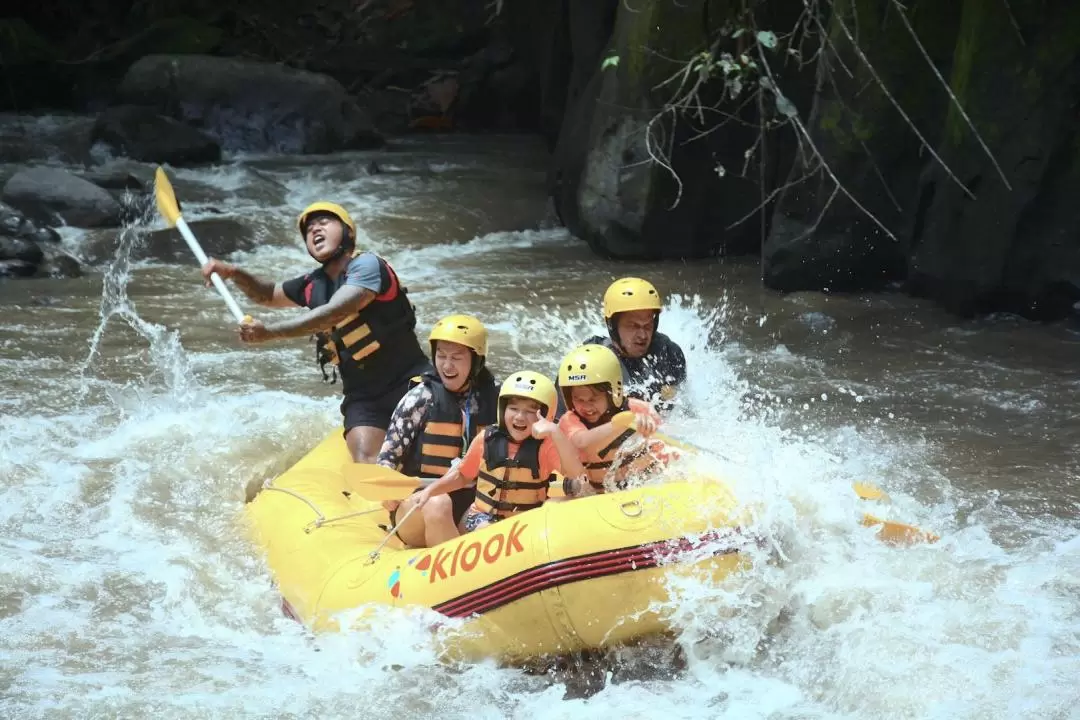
(467, 556)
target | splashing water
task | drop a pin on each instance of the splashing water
(128, 588)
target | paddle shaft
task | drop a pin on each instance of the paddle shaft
(193, 243)
(375, 553)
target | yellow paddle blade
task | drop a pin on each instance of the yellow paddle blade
(866, 491)
(896, 533)
(891, 532)
(375, 482)
(682, 445)
(166, 198)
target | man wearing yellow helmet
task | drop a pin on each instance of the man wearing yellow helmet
(359, 313)
(510, 465)
(653, 364)
(437, 420)
(590, 379)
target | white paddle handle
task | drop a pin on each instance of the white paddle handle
(189, 237)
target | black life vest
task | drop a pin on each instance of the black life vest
(446, 435)
(647, 378)
(506, 486)
(372, 348)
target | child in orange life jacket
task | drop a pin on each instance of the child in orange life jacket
(590, 378)
(513, 464)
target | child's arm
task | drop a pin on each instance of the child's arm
(569, 462)
(598, 436)
(453, 480)
(461, 475)
(645, 423)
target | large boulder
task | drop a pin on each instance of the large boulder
(219, 237)
(251, 105)
(636, 174)
(820, 238)
(16, 225)
(142, 134)
(57, 197)
(24, 250)
(1015, 249)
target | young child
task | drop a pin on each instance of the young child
(512, 464)
(590, 378)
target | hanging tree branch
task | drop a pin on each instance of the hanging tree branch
(949, 90)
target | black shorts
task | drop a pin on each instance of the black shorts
(461, 500)
(375, 410)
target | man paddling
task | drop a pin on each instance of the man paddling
(359, 313)
(653, 364)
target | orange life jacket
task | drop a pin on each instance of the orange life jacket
(506, 486)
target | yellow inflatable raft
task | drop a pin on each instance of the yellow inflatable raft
(571, 575)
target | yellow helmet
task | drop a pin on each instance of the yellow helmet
(629, 294)
(328, 207)
(591, 365)
(531, 385)
(463, 330)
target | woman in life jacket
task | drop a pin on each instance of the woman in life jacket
(511, 465)
(436, 421)
(359, 313)
(590, 378)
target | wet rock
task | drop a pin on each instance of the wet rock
(219, 237)
(17, 268)
(14, 224)
(23, 250)
(142, 134)
(251, 105)
(135, 206)
(119, 179)
(609, 190)
(54, 197)
(60, 265)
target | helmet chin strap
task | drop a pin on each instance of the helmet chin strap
(613, 333)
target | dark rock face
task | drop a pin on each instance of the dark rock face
(1014, 249)
(141, 134)
(639, 172)
(219, 237)
(820, 237)
(251, 105)
(961, 235)
(53, 197)
(951, 126)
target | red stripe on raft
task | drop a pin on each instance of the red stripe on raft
(583, 567)
(546, 576)
(288, 611)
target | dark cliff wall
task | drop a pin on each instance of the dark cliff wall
(854, 144)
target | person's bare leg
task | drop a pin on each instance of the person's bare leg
(412, 530)
(364, 443)
(439, 520)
